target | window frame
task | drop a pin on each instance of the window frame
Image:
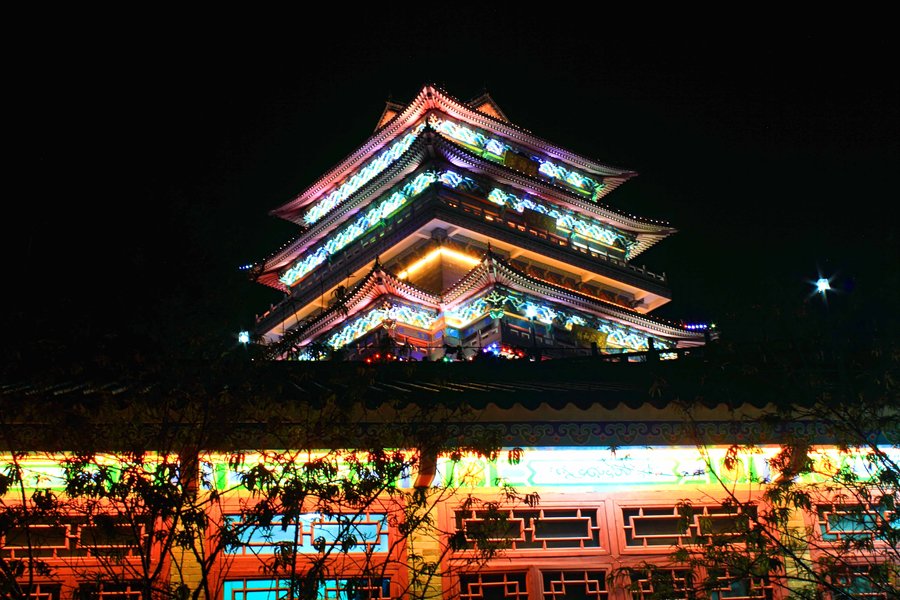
(248, 566)
(614, 556)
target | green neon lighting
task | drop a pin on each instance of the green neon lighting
(500, 301)
(468, 312)
(648, 467)
(493, 148)
(367, 221)
(362, 176)
(564, 220)
(400, 313)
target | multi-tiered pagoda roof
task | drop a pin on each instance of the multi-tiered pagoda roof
(451, 227)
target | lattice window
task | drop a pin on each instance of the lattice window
(330, 589)
(109, 539)
(663, 583)
(575, 585)
(533, 529)
(673, 525)
(108, 591)
(493, 586)
(41, 591)
(740, 588)
(853, 522)
(362, 533)
(72, 537)
(45, 541)
(862, 581)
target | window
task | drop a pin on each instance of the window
(352, 544)
(42, 591)
(494, 586)
(313, 532)
(538, 529)
(329, 589)
(72, 537)
(856, 532)
(561, 551)
(647, 527)
(549, 584)
(849, 523)
(45, 541)
(862, 581)
(662, 583)
(108, 591)
(729, 587)
(574, 585)
(109, 538)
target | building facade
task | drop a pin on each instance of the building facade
(450, 236)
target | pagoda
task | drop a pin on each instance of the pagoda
(452, 232)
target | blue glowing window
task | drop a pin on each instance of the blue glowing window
(329, 589)
(838, 522)
(356, 534)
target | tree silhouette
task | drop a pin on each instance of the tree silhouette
(149, 494)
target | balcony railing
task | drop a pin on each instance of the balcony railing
(515, 222)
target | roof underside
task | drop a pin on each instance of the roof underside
(490, 272)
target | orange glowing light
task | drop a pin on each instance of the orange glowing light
(442, 251)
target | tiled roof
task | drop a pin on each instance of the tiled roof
(432, 97)
(491, 270)
(583, 400)
(648, 231)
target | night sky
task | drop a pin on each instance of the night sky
(149, 158)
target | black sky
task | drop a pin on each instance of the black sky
(148, 157)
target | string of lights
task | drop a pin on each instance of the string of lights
(362, 176)
(366, 222)
(494, 149)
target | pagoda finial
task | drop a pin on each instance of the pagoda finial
(377, 265)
